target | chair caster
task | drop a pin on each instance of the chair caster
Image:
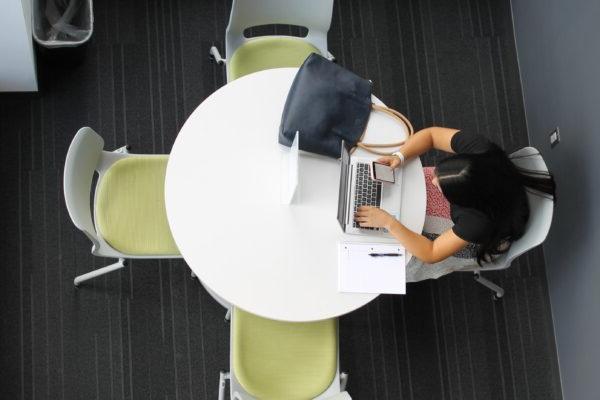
(123, 150)
(223, 378)
(215, 55)
(343, 381)
(497, 291)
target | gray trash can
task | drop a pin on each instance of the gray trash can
(62, 23)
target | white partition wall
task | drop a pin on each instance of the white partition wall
(17, 60)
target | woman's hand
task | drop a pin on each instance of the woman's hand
(390, 161)
(373, 217)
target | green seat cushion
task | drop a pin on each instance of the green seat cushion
(268, 52)
(283, 360)
(130, 207)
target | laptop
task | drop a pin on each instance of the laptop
(358, 189)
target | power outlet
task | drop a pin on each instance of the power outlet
(554, 137)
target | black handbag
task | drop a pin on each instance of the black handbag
(328, 104)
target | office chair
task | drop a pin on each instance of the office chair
(246, 55)
(283, 360)
(540, 218)
(129, 218)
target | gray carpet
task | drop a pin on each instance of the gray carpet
(150, 332)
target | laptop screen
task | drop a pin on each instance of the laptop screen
(344, 182)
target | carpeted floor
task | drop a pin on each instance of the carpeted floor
(150, 332)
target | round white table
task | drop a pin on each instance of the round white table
(223, 204)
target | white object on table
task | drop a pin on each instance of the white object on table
(223, 201)
(290, 170)
(359, 272)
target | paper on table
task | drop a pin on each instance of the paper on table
(358, 272)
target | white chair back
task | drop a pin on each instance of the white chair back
(541, 211)
(82, 159)
(315, 15)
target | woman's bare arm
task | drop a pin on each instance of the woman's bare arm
(429, 138)
(429, 251)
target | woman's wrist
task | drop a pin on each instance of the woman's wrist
(390, 222)
(400, 157)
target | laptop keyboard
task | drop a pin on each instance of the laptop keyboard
(367, 192)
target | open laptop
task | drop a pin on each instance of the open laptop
(358, 189)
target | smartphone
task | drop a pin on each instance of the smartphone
(382, 172)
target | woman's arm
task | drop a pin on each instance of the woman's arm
(429, 251)
(429, 138)
(424, 140)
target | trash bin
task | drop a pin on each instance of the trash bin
(62, 23)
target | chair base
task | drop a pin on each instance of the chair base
(343, 381)
(123, 150)
(223, 378)
(498, 291)
(226, 376)
(215, 55)
(98, 272)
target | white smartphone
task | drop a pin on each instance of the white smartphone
(382, 172)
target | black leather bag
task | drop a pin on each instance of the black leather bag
(327, 104)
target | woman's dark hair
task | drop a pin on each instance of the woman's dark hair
(490, 183)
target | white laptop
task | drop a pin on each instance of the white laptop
(358, 189)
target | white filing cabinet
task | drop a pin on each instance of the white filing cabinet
(17, 59)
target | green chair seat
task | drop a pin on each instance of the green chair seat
(283, 360)
(268, 52)
(130, 207)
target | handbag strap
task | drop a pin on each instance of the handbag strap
(372, 147)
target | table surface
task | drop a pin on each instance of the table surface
(222, 194)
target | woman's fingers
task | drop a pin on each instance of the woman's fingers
(362, 212)
(363, 216)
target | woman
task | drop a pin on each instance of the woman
(483, 192)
